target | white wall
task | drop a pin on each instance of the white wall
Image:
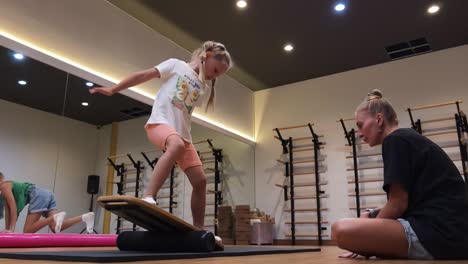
(426, 79)
(51, 151)
(102, 38)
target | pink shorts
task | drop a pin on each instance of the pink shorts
(158, 134)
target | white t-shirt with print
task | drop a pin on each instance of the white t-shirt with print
(181, 91)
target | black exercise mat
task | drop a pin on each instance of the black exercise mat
(125, 256)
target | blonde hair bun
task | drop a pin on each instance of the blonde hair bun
(374, 95)
(375, 103)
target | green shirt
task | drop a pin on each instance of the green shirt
(20, 193)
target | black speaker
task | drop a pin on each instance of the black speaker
(93, 184)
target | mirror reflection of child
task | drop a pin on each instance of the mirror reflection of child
(15, 196)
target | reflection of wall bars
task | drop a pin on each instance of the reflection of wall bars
(130, 177)
(297, 165)
(212, 160)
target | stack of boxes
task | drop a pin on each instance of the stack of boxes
(242, 224)
(225, 224)
(236, 228)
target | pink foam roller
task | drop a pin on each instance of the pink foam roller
(12, 240)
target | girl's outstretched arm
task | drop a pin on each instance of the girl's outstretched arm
(134, 79)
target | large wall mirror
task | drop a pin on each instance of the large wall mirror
(54, 134)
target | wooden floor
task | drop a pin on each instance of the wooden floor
(329, 255)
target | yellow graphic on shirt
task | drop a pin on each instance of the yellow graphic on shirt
(185, 95)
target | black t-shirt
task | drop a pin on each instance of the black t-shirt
(437, 198)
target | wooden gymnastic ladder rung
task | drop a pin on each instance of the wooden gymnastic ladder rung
(364, 207)
(306, 173)
(301, 161)
(305, 149)
(440, 133)
(437, 120)
(367, 194)
(367, 180)
(366, 168)
(305, 209)
(305, 235)
(364, 155)
(304, 197)
(293, 127)
(305, 222)
(435, 105)
(301, 184)
(303, 138)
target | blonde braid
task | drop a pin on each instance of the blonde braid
(212, 98)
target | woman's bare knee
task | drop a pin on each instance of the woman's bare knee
(336, 230)
(342, 231)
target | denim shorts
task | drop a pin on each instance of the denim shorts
(415, 249)
(41, 200)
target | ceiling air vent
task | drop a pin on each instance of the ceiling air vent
(135, 112)
(407, 49)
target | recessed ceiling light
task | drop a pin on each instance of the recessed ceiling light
(288, 47)
(22, 82)
(433, 9)
(340, 7)
(241, 4)
(89, 84)
(84, 104)
(18, 56)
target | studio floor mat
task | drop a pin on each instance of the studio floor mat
(126, 256)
